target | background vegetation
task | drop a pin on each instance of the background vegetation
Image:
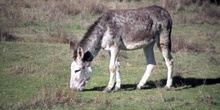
(35, 57)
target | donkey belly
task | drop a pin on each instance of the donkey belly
(135, 45)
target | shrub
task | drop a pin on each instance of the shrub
(4, 36)
(180, 44)
(37, 16)
(209, 14)
(193, 11)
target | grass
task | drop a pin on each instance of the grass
(36, 76)
(35, 65)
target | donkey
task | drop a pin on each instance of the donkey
(119, 30)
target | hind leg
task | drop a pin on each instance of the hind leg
(169, 63)
(149, 54)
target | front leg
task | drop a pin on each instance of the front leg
(114, 71)
(110, 83)
(118, 76)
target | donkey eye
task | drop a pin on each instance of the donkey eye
(77, 70)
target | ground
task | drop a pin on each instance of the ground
(35, 65)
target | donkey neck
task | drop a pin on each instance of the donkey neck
(92, 39)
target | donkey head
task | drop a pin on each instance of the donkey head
(80, 67)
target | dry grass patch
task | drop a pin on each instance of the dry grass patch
(21, 69)
(48, 100)
(180, 44)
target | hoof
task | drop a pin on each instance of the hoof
(106, 90)
(167, 88)
(117, 89)
(138, 88)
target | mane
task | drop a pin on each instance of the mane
(90, 30)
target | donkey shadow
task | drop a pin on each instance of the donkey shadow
(178, 82)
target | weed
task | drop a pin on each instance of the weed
(48, 100)
(19, 69)
(4, 36)
(214, 60)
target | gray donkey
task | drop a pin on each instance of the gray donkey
(119, 30)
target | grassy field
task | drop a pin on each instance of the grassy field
(35, 59)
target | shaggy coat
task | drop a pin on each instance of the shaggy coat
(119, 30)
(128, 26)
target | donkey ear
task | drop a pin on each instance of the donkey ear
(88, 56)
(79, 53)
(72, 45)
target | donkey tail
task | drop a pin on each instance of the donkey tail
(165, 36)
(170, 44)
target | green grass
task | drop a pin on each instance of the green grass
(27, 69)
(36, 76)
